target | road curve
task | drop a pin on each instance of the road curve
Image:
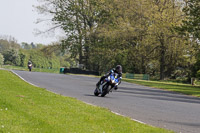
(155, 107)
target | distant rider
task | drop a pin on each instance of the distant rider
(118, 70)
(29, 65)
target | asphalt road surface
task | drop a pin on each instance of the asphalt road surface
(155, 107)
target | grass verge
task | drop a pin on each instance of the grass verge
(34, 69)
(25, 108)
(176, 87)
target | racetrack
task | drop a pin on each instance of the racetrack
(152, 106)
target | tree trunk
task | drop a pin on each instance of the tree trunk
(80, 49)
(162, 64)
(162, 57)
(143, 65)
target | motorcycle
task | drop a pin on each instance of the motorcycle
(107, 85)
(30, 67)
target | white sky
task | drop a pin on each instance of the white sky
(17, 19)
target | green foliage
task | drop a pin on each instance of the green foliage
(1, 59)
(190, 28)
(67, 61)
(196, 67)
(198, 74)
(7, 43)
(48, 57)
(11, 57)
(139, 35)
(192, 21)
(24, 56)
(9, 49)
(25, 45)
(39, 59)
(41, 56)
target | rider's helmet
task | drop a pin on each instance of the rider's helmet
(118, 68)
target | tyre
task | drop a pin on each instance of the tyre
(96, 92)
(29, 69)
(105, 90)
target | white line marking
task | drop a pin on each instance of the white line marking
(118, 114)
(23, 79)
(90, 104)
(129, 117)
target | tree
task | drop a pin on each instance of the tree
(190, 28)
(144, 29)
(137, 34)
(8, 43)
(25, 45)
(39, 46)
(11, 57)
(78, 18)
(33, 46)
(169, 47)
(191, 24)
(196, 67)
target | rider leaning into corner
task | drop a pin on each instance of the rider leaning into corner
(117, 69)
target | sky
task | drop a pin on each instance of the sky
(17, 19)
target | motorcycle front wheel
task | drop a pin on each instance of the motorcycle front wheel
(96, 92)
(105, 90)
(30, 69)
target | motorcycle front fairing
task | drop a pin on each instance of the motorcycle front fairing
(114, 79)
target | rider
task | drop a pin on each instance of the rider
(29, 65)
(118, 70)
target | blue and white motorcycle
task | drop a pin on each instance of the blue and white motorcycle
(107, 85)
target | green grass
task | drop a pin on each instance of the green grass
(176, 87)
(33, 69)
(25, 108)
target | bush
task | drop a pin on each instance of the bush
(11, 57)
(198, 74)
(39, 59)
(196, 67)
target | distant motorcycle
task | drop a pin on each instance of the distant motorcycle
(107, 85)
(30, 67)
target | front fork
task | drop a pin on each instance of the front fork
(101, 87)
